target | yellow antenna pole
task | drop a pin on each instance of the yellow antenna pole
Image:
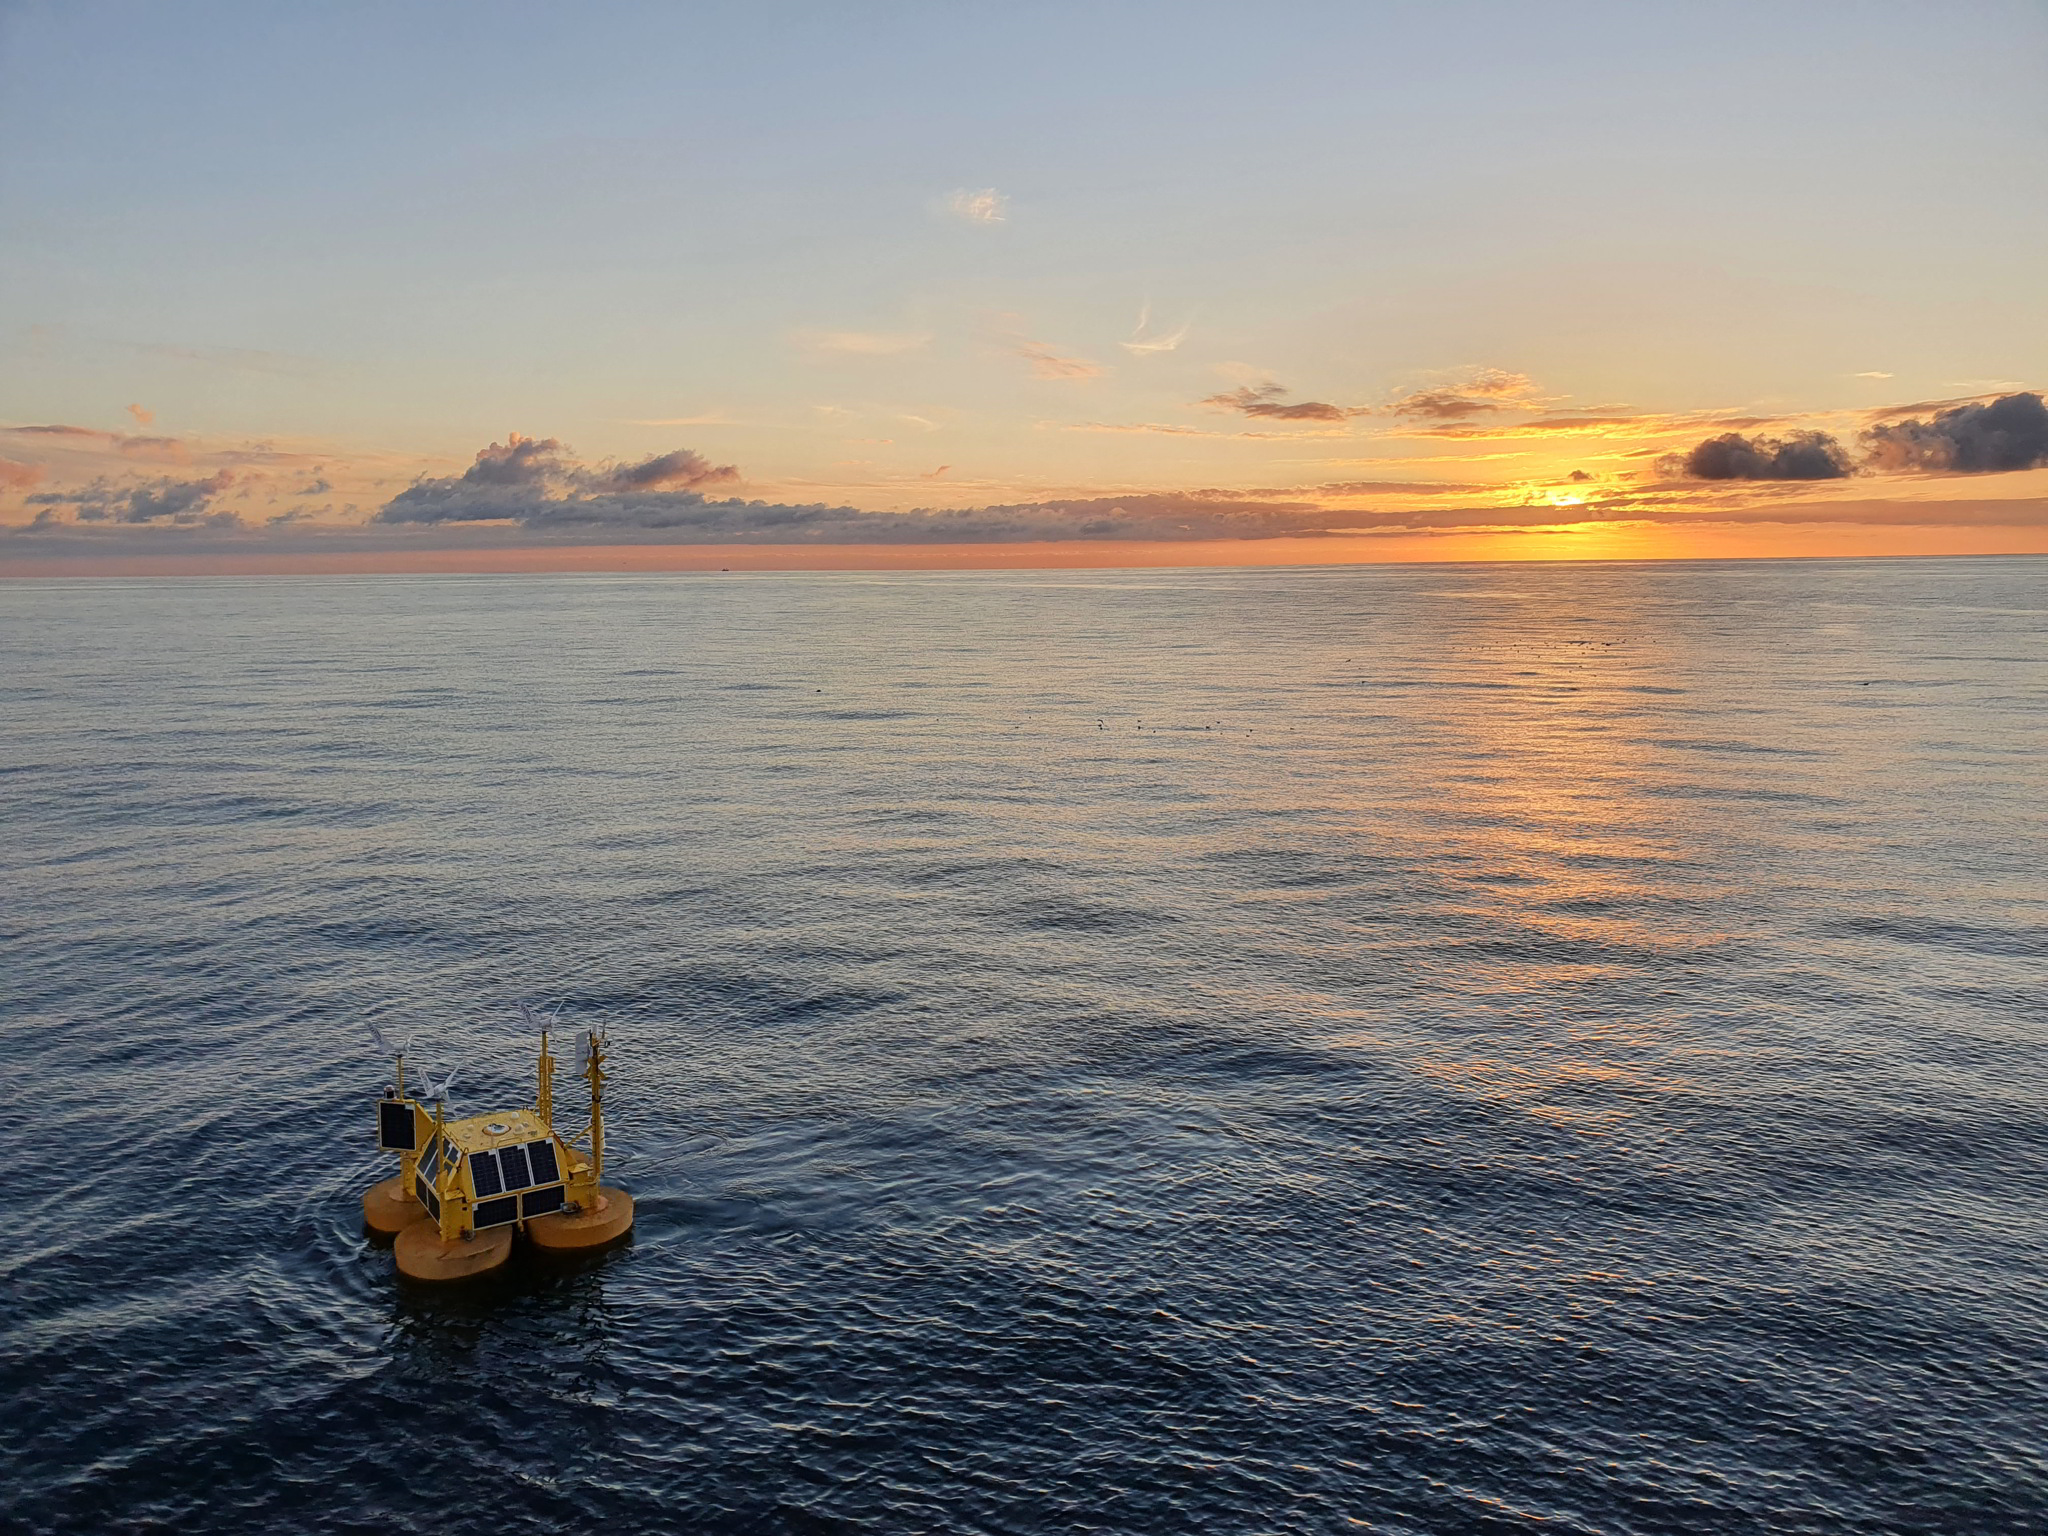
(544, 1097)
(441, 1178)
(408, 1162)
(595, 1072)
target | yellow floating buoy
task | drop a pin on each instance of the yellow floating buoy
(464, 1187)
(423, 1254)
(389, 1206)
(605, 1220)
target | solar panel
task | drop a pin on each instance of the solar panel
(495, 1213)
(513, 1161)
(545, 1168)
(394, 1126)
(483, 1167)
(540, 1201)
(426, 1193)
(430, 1165)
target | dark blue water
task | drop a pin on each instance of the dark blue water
(1419, 1050)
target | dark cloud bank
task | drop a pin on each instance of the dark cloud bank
(1974, 438)
(536, 485)
(151, 501)
(1798, 456)
(2009, 433)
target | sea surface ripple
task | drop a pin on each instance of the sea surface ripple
(1411, 1049)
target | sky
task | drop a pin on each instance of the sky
(470, 286)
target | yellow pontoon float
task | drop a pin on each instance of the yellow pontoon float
(464, 1187)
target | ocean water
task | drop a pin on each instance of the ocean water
(1417, 1050)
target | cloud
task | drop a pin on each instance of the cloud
(18, 477)
(667, 471)
(1489, 389)
(1142, 345)
(987, 206)
(1589, 425)
(1048, 364)
(860, 343)
(516, 461)
(1395, 488)
(153, 448)
(1263, 400)
(535, 480)
(143, 416)
(1135, 426)
(1962, 437)
(57, 429)
(537, 484)
(2008, 433)
(533, 494)
(1873, 374)
(1442, 405)
(152, 501)
(1731, 456)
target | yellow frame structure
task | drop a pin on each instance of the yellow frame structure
(447, 1186)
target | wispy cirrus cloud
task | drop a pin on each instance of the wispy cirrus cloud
(1592, 424)
(1144, 342)
(1155, 428)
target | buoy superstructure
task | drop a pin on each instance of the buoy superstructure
(465, 1187)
